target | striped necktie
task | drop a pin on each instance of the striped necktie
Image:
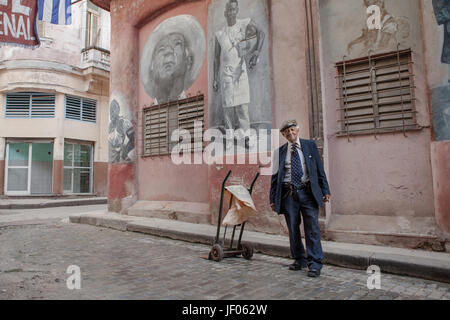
(296, 166)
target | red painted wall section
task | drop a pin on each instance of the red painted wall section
(121, 181)
(440, 155)
(2, 177)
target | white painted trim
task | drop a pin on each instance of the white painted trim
(18, 193)
(30, 157)
(29, 167)
(72, 167)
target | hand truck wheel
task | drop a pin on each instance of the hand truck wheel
(217, 252)
(247, 251)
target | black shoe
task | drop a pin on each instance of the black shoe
(295, 266)
(313, 273)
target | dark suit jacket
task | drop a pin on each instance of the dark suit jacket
(317, 176)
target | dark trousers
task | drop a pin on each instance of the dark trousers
(294, 206)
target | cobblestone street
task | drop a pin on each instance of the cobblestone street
(125, 265)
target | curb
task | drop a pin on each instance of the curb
(418, 267)
(55, 204)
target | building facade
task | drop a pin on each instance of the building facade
(54, 109)
(367, 80)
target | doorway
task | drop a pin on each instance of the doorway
(29, 168)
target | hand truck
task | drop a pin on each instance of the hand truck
(219, 250)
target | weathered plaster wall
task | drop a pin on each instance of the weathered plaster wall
(438, 76)
(51, 48)
(124, 62)
(60, 127)
(60, 72)
(159, 178)
(390, 174)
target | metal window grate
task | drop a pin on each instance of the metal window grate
(376, 94)
(30, 105)
(82, 109)
(160, 121)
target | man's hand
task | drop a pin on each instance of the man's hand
(326, 198)
(215, 85)
(272, 205)
(254, 59)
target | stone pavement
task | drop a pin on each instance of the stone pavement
(38, 216)
(416, 263)
(129, 265)
(39, 202)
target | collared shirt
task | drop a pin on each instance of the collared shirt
(287, 163)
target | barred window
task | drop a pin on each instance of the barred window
(30, 105)
(161, 121)
(82, 109)
(377, 94)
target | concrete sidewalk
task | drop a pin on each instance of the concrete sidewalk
(415, 263)
(38, 203)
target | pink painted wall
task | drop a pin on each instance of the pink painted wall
(438, 75)
(440, 152)
(126, 20)
(159, 178)
(387, 176)
(391, 174)
(124, 72)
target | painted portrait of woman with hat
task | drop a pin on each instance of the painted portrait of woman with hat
(172, 58)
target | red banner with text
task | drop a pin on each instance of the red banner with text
(18, 23)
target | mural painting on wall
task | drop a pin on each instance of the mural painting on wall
(172, 58)
(121, 132)
(392, 30)
(442, 12)
(440, 96)
(239, 67)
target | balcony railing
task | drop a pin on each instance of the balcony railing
(95, 57)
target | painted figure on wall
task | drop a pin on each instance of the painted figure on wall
(121, 135)
(442, 12)
(172, 58)
(237, 47)
(392, 30)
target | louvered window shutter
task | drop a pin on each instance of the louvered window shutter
(377, 94)
(82, 109)
(160, 121)
(89, 110)
(30, 105)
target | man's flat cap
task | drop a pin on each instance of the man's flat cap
(287, 124)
